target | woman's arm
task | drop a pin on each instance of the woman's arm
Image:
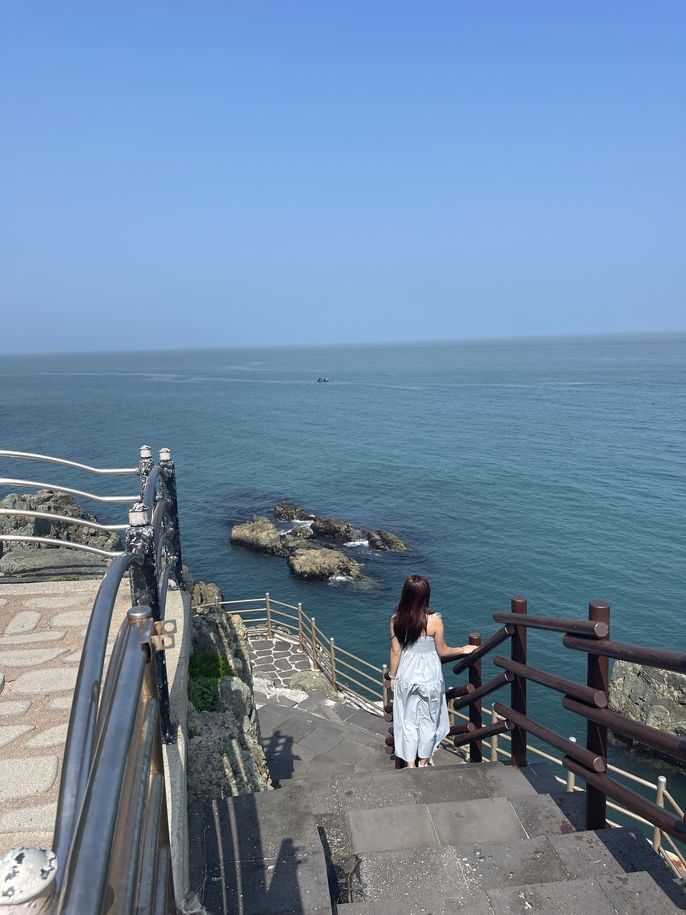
(445, 652)
(395, 651)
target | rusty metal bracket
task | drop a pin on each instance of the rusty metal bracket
(163, 634)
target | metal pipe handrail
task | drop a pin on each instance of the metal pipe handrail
(79, 743)
(66, 519)
(112, 471)
(10, 481)
(86, 868)
(150, 489)
(53, 541)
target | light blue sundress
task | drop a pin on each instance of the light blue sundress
(420, 712)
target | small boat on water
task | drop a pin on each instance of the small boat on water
(322, 380)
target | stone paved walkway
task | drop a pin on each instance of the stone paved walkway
(42, 627)
(277, 659)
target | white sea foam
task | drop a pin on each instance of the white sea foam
(356, 543)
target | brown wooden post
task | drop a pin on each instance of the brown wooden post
(475, 754)
(518, 689)
(596, 734)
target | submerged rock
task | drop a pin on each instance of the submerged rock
(321, 564)
(651, 696)
(258, 534)
(291, 511)
(336, 529)
(384, 540)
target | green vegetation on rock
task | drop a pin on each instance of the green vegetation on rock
(205, 670)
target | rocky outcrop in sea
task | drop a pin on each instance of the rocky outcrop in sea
(28, 560)
(649, 696)
(314, 546)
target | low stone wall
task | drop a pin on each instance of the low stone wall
(225, 757)
(650, 696)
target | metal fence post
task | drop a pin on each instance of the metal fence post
(301, 642)
(145, 465)
(597, 677)
(660, 801)
(268, 605)
(332, 651)
(385, 691)
(571, 777)
(313, 644)
(494, 738)
(475, 754)
(518, 687)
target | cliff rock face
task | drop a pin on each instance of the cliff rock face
(224, 752)
(653, 697)
(36, 560)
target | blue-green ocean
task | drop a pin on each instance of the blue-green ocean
(550, 468)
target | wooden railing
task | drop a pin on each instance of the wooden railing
(363, 682)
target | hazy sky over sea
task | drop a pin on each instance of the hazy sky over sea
(231, 173)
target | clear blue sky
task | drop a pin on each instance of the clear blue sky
(246, 173)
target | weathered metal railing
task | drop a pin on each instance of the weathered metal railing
(347, 672)
(111, 837)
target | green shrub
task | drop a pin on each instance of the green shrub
(204, 693)
(209, 664)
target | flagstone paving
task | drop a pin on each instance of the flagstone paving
(42, 627)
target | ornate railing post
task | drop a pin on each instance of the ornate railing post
(475, 754)
(168, 484)
(597, 677)
(518, 688)
(145, 465)
(144, 593)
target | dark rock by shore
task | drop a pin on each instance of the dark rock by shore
(653, 697)
(312, 545)
(32, 560)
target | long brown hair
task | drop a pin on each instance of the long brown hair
(410, 614)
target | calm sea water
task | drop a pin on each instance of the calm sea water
(550, 468)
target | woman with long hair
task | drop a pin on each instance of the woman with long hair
(420, 712)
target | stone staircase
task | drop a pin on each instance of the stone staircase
(345, 832)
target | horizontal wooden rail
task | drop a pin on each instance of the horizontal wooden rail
(456, 729)
(658, 816)
(490, 730)
(666, 743)
(598, 630)
(586, 693)
(480, 691)
(636, 654)
(584, 756)
(498, 637)
(456, 692)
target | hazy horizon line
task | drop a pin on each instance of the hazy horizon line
(359, 344)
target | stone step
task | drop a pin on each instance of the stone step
(390, 787)
(455, 872)
(319, 738)
(258, 853)
(626, 894)
(488, 819)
